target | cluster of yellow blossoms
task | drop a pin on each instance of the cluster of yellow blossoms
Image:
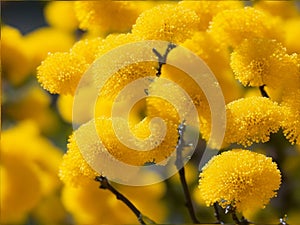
(252, 50)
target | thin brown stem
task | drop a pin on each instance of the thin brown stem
(104, 184)
(263, 91)
(180, 167)
(217, 213)
(162, 59)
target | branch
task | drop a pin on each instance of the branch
(179, 148)
(217, 213)
(162, 59)
(104, 184)
(263, 91)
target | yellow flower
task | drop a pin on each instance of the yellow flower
(74, 169)
(252, 120)
(61, 15)
(28, 165)
(91, 205)
(106, 16)
(61, 72)
(141, 131)
(291, 120)
(231, 27)
(243, 179)
(258, 62)
(206, 10)
(16, 61)
(172, 23)
(104, 149)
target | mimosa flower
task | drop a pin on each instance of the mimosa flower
(206, 10)
(76, 170)
(61, 72)
(239, 178)
(252, 120)
(172, 23)
(291, 120)
(106, 16)
(231, 27)
(258, 62)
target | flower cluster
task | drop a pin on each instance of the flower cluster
(252, 49)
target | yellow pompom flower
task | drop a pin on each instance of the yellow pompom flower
(243, 179)
(16, 60)
(206, 10)
(106, 16)
(172, 23)
(231, 27)
(252, 120)
(258, 62)
(61, 14)
(61, 72)
(291, 120)
(148, 137)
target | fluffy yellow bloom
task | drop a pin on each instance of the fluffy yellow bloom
(87, 48)
(243, 179)
(91, 205)
(106, 16)
(172, 23)
(206, 10)
(141, 131)
(74, 169)
(231, 27)
(61, 14)
(258, 62)
(15, 59)
(28, 165)
(61, 72)
(291, 119)
(252, 120)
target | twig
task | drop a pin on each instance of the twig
(263, 91)
(104, 184)
(162, 59)
(179, 148)
(217, 213)
(235, 218)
